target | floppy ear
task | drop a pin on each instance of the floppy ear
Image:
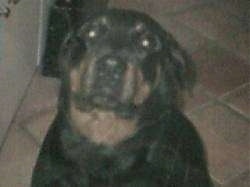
(185, 69)
(178, 60)
(177, 73)
(70, 52)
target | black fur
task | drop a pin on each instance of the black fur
(63, 16)
(165, 150)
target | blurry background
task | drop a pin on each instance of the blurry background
(215, 33)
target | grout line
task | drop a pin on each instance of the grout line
(234, 110)
(30, 135)
(229, 105)
(217, 100)
(36, 113)
(214, 100)
(238, 176)
(200, 107)
(220, 100)
(215, 181)
(17, 109)
(51, 108)
(211, 100)
(234, 90)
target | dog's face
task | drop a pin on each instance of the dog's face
(119, 59)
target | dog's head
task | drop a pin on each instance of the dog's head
(120, 59)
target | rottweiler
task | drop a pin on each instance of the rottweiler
(120, 121)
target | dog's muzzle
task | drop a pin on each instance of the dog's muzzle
(108, 79)
(109, 82)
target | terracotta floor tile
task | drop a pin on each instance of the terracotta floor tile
(220, 71)
(226, 137)
(150, 6)
(209, 20)
(241, 181)
(217, 185)
(239, 9)
(189, 39)
(240, 99)
(17, 159)
(42, 94)
(239, 43)
(218, 25)
(198, 98)
(39, 123)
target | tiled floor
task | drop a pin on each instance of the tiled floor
(217, 36)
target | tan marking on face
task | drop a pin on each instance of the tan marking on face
(75, 76)
(74, 80)
(158, 76)
(129, 83)
(143, 89)
(77, 73)
(90, 73)
(101, 127)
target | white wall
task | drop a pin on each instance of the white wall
(20, 56)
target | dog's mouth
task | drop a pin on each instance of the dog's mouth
(108, 83)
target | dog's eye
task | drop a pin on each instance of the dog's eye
(93, 31)
(149, 42)
(145, 43)
(96, 31)
(92, 34)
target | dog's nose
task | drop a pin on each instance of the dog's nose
(109, 74)
(111, 62)
(111, 67)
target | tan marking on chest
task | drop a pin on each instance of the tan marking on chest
(102, 127)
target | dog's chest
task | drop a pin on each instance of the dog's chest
(102, 127)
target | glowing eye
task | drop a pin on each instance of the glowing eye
(145, 43)
(92, 34)
(149, 42)
(139, 27)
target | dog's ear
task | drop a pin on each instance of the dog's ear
(71, 51)
(184, 66)
(185, 69)
(177, 73)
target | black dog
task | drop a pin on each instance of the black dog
(118, 122)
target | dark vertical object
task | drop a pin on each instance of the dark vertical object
(63, 17)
